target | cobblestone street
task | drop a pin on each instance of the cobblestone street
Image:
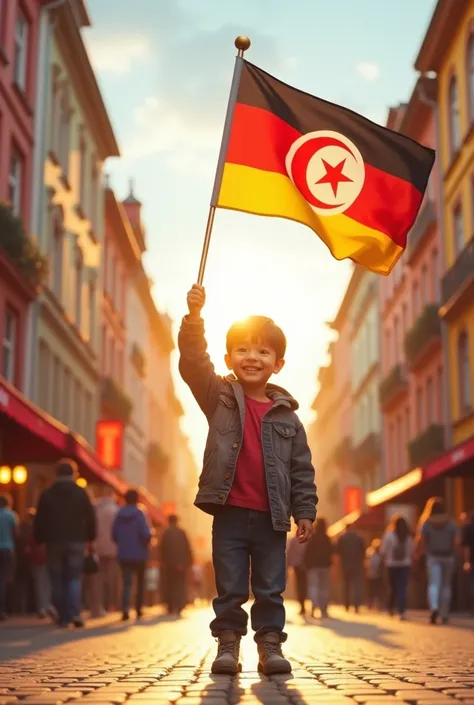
(350, 659)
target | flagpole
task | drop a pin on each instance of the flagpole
(242, 43)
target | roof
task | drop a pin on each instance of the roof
(441, 29)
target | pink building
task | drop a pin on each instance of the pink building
(411, 392)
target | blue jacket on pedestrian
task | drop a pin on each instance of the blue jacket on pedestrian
(131, 533)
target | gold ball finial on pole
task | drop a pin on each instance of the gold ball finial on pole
(242, 43)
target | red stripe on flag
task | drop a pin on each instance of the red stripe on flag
(261, 140)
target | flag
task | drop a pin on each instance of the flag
(358, 185)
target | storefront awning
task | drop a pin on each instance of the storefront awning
(28, 435)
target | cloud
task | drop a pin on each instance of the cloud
(368, 70)
(193, 68)
(118, 53)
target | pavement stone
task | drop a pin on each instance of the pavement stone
(365, 659)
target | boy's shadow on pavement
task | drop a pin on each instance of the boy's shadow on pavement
(352, 630)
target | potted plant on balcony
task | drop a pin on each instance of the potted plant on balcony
(20, 249)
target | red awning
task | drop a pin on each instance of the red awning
(458, 455)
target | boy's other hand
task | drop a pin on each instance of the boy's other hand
(196, 300)
(305, 529)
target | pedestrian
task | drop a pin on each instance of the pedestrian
(42, 585)
(437, 537)
(257, 471)
(397, 550)
(131, 533)
(295, 560)
(468, 563)
(375, 575)
(318, 560)
(8, 534)
(24, 587)
(175, 560)
(65, 523)
(104, 583)
(351, 551)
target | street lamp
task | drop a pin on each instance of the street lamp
(5, 475)
(20, 475)
(81, 481)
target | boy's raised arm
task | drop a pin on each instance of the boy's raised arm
(195, 365)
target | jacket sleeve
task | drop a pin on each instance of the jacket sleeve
(195, 366)
(303, 489)
(145, 530)
(39, 528)
(90, 518)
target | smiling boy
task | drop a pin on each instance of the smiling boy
(257, 473)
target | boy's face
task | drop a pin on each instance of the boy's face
(253, 363)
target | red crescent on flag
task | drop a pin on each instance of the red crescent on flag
(299, 166)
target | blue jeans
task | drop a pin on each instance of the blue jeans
(129, 568)
(440, 578)
(398, 580)
(65, 563)
(6, 568)
(245, 549)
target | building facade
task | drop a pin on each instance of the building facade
(365, 348)
(78, 139)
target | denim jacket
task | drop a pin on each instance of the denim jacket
(287, 458)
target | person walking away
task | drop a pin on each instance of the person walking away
(397, 550)
(318, 560)
(8, 533)
(468, 563)
(175, 560)
(437, 537)
(42, 585)
(295, 560)
(351, 551)
(375, 575)
(24, 585)
(131, 533)
(65, 523)
(104, 583)
(257, 472)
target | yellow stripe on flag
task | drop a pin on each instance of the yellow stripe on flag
(268, 193)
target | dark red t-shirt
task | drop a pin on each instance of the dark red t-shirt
(249, 488)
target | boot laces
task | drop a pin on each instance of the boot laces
(272, 648)
(226, 647)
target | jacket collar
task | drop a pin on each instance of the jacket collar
(279, 395)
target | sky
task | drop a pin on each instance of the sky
(165, 67)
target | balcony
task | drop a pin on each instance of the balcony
(366, 453)
(394, 385)
(138, 360)
(423, 334)
(157, 458)
(425, 220)
(427, 446)
(458, 283)
(342, 451)
(20, 249)
(115, 402)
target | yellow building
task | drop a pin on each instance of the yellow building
(448, 50)
(77, 138)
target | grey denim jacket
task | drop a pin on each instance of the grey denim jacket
(287, 457)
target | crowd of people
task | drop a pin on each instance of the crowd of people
(380, 574)
(72, 553)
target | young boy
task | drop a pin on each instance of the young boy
(257, 471)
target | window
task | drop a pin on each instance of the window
(419, 409)
(66, 397)
(94, 193)
(396, 341)
(44, 388)
(430, 402)
(77, 407)
(79, 267)
(435, 275)
(9, 345)
(15, 177)
(404, 318)
(440, 394)
(120, 366)
(416, 300)
(465, 400)
(454, 121)
(2, 18)
(57, 257)
(82, 167)
(21, 51)
(458, 230)
(56, 380)
(470, 76)
(424, 285)
(64, 130)
(388, 348)
(91, 313)
(407, 436)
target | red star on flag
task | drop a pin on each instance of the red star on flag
(333, 175)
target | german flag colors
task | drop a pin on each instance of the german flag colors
(359, 186)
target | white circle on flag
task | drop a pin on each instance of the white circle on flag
(327, 169)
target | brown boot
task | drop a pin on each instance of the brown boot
(227, 659)
(270, 657)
